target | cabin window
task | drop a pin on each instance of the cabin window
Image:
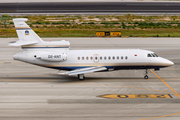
(78, 58)
(104, 58)
(100, 58)
(113, 57)
(87, 58)
(117, 57)
(109, 57)
(91, 58)
(121, 57)
(82, 58)
(126, 57)
(96, 58)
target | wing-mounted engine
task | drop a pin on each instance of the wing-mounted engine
(53, 57)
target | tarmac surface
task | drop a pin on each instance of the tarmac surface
(30, 1)
(91, 7)
(32, 92)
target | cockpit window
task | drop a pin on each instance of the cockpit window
(155, 55)
(152, 55)
(149, 55)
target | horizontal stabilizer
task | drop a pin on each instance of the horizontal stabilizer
(21, 42)
(84, 70)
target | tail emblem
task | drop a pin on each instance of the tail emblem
(26, 32)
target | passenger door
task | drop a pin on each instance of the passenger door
(96, 58)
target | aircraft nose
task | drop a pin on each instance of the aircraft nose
(168, 62)
(16, 56)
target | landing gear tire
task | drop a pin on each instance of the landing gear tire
(146, 74)
(81, 77)
(146, 77)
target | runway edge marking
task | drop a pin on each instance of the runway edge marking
(166, 84)
(161, 116)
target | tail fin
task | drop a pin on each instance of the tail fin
(25, 34)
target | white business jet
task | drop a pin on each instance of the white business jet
(57, 55)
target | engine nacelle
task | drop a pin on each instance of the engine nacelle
(54, 57)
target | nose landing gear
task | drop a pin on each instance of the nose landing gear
(146, 74)
(146, 77)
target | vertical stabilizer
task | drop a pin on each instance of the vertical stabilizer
(25, 34)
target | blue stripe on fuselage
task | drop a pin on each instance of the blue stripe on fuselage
(73, 68)
(109, 67)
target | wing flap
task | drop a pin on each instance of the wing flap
(84, 70)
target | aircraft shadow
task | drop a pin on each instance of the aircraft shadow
(54, 78)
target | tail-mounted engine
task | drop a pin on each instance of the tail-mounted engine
(54, 57)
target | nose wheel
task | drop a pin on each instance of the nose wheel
(146, 74)
(146, 77)
(81, 77)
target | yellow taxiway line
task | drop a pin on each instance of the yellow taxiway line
(125, 96)
(161, 116)
(165, 83)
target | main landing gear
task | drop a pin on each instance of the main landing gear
(81, 77)
(146, 74)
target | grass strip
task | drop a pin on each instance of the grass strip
(57, 32)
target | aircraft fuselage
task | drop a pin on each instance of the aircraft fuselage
(111, 59)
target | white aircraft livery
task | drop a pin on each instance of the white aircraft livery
(57, 55)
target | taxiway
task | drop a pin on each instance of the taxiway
(32, 92)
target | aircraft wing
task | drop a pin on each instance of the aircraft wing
(84, 70)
